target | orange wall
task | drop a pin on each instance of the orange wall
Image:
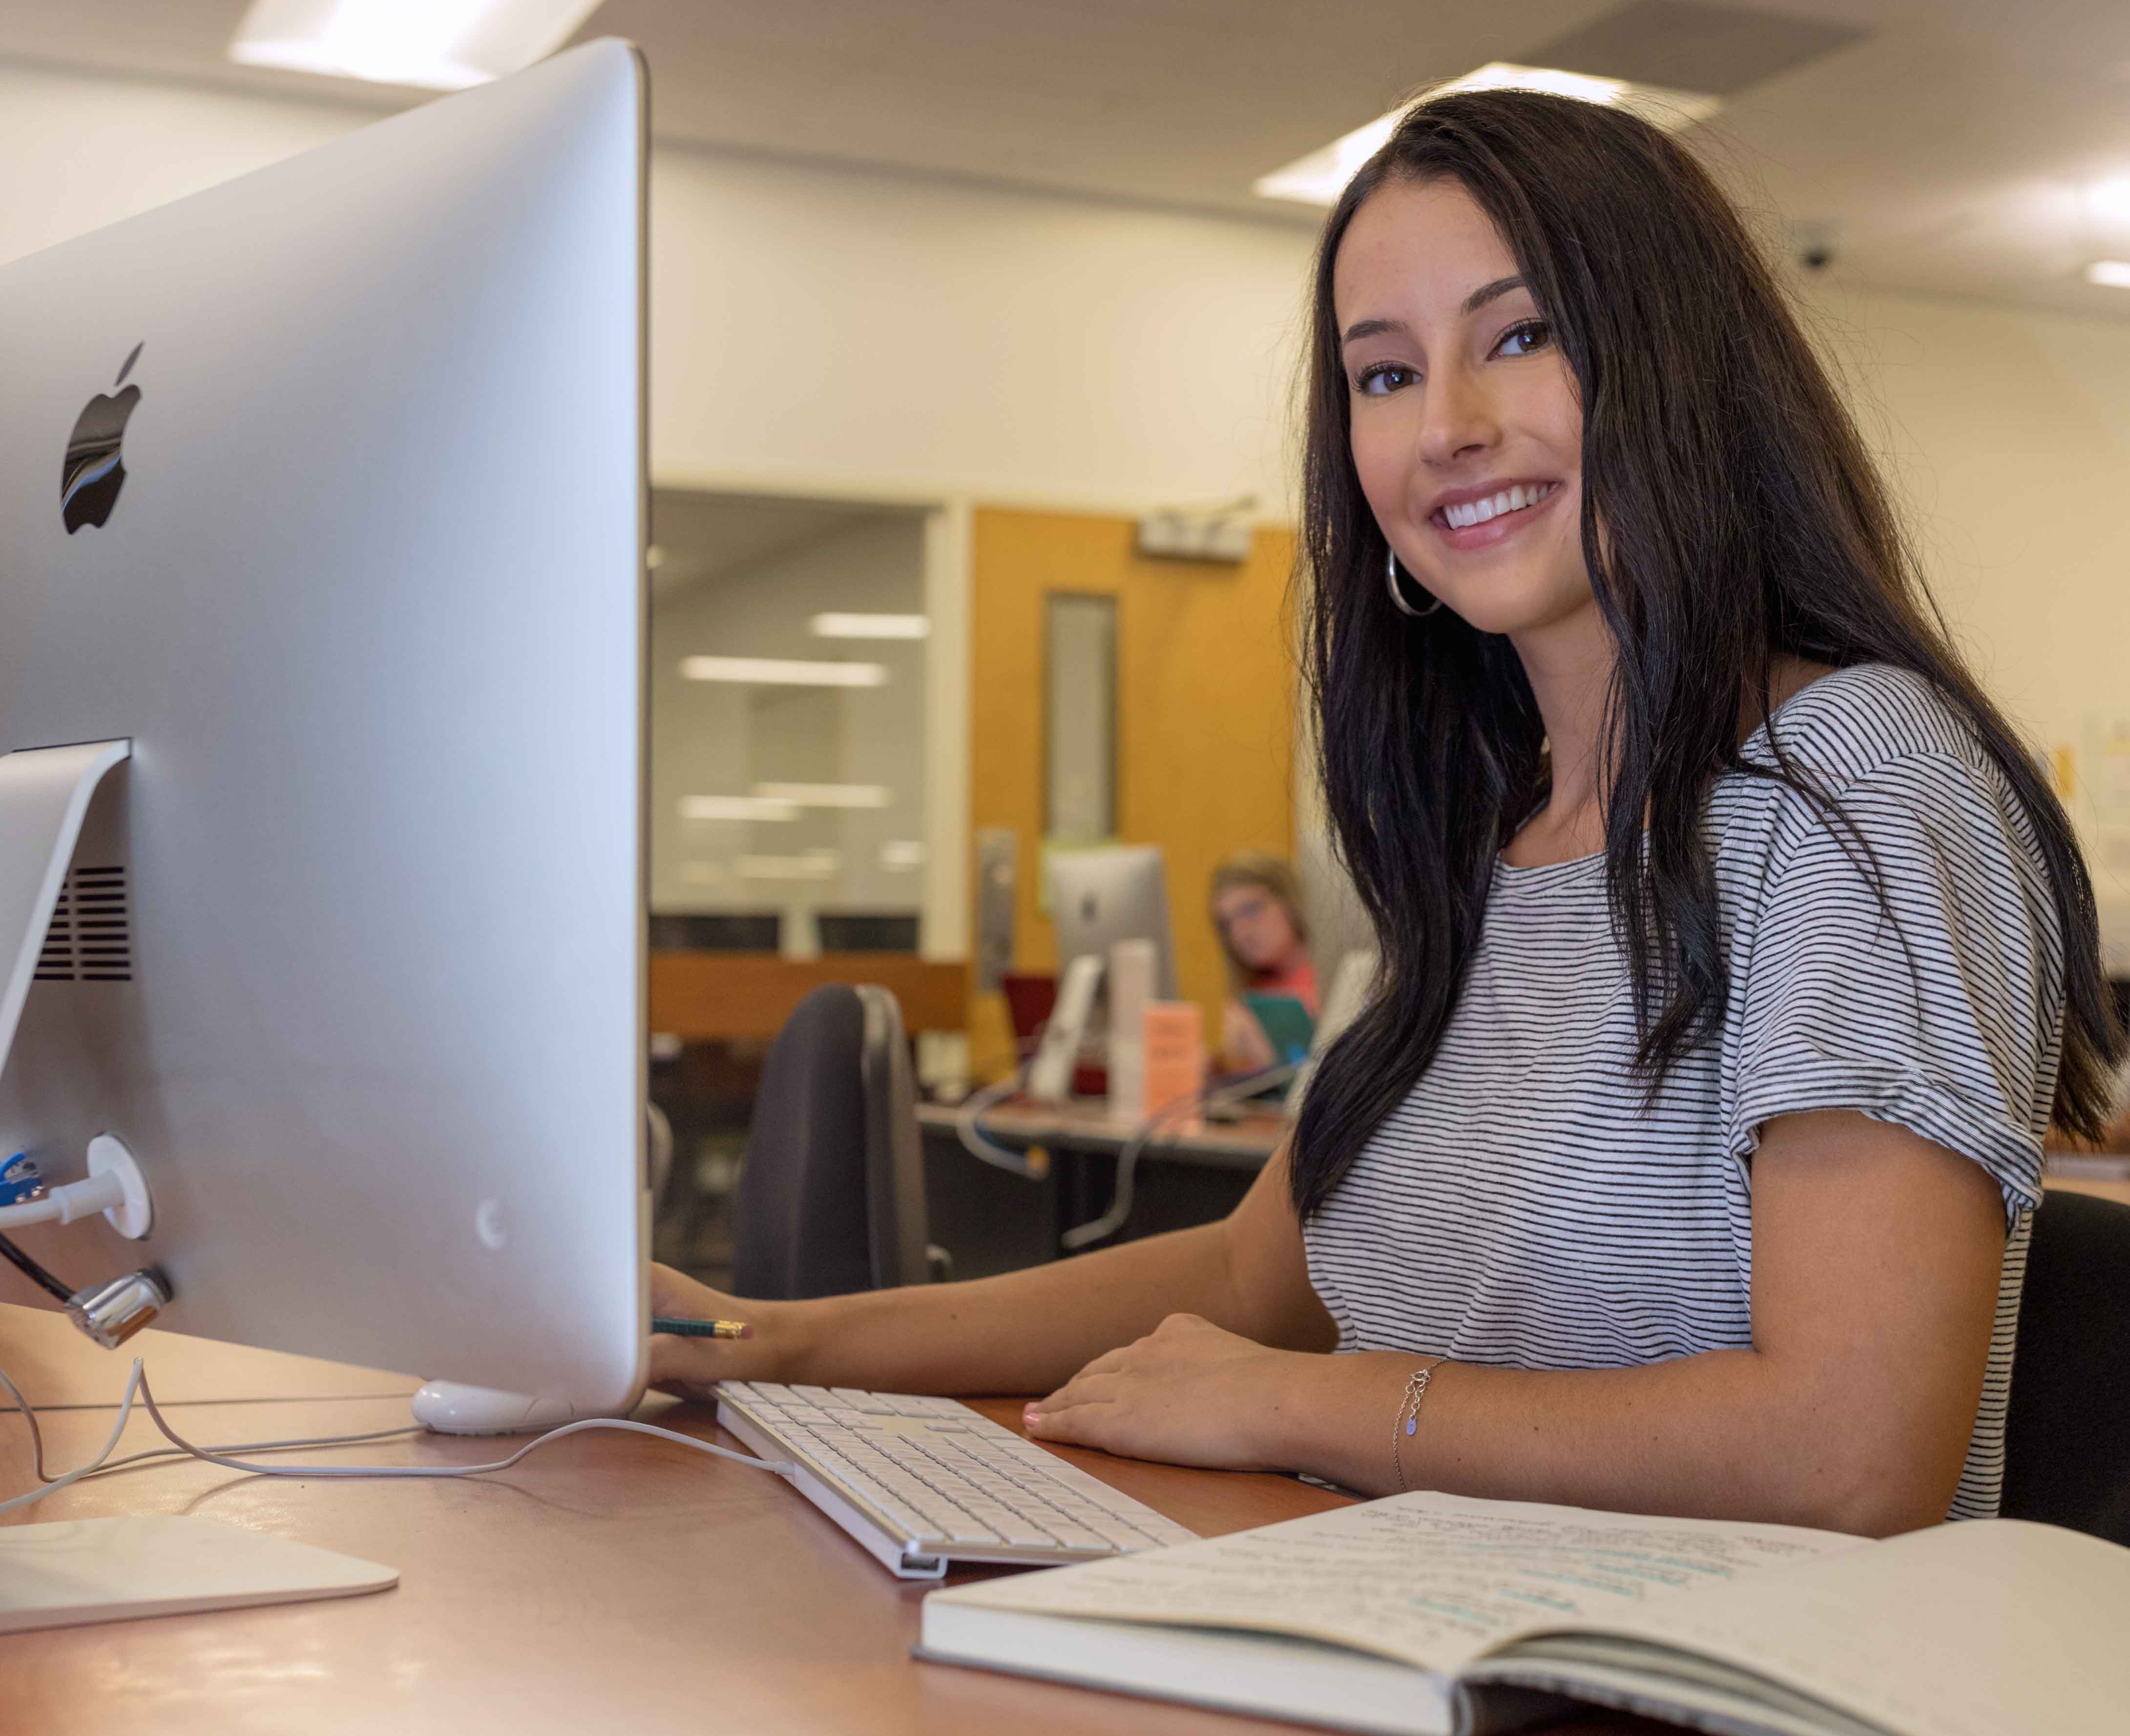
(1206, 696)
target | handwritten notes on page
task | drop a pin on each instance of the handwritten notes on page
(1429, 1579)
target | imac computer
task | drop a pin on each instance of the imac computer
(322, 641)
(1100, 897)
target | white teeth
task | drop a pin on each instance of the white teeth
(1513, 499)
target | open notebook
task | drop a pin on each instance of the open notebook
(1431, 1614)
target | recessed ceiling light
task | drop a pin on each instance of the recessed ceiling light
(815, 865)
(783, 672)
(871, 627)
(736, 807)
(1321, 176)
(2109, 274)
(437, 45)
(827, 795)
(2110, 199)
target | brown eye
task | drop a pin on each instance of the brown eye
(1382, 378)
(1526, 339)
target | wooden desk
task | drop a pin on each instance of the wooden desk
(608, 1583)
(992, 1221)
(1089, 1126)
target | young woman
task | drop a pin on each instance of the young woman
(1255, 905)
(1735, 955)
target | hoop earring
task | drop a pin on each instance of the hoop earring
(1398, 594)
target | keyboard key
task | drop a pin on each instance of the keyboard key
(870, 1404)
(904, 1404)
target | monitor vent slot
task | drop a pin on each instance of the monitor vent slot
(91, 938)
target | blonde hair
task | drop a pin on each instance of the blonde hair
(1268, 873)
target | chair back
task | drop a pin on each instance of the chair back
(2067, 1429)
(831, 1193)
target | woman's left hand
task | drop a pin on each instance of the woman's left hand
(1189, 1393)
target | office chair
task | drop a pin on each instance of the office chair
(832, 1192)
(2067, 1429)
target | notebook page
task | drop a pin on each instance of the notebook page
(1974, 1629)
(1428, 1579)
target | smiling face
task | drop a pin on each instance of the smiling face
(1466, 428)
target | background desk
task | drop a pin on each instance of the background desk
(608, 1582)
(992, 1221)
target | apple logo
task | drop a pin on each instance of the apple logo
(95, 472)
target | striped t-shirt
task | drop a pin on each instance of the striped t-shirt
(1526, 1207)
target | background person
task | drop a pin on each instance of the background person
(1255, 904)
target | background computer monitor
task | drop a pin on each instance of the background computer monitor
(367, 596)
(1100, 897)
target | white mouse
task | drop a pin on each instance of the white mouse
(445, 1407)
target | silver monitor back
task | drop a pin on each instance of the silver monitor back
(369, 602)
(1100, 897)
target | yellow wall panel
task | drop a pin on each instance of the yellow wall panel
(1205, 697)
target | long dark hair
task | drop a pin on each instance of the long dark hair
(1742, 519)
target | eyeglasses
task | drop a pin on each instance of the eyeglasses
(1244, 912)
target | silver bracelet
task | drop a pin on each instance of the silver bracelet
(1408, 1416)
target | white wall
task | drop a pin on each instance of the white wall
(2008, 434)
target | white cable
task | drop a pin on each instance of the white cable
(1120, 1198)
(64, 1203)
(111, 1467)
(968, 1124)
(138, 1382)
(58, 1483)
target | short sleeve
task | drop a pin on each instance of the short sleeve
(1932, 1001)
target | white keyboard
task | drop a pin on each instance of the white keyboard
(920, 1482)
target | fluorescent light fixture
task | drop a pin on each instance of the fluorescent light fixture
(827, 795)
(2110, 199)
(815, 865)
(899, 855)
(782, 672)
(2109, 274)
(1321, 176)
(437, 45)
(871, 627)
(736, 807)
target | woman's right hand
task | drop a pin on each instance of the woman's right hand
(688, 1368)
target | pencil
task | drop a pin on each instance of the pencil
(701, 1328)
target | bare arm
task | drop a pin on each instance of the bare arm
(1021, 1331)
(1875, 1261)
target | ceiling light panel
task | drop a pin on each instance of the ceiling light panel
(2109, 274)
(737, 808)
(1321, 176)
(783, 672)
(871, 627)
(827, 795)
(434, 45)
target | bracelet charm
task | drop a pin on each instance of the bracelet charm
(1408, 1416)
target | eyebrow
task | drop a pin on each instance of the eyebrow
(1472, 303)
